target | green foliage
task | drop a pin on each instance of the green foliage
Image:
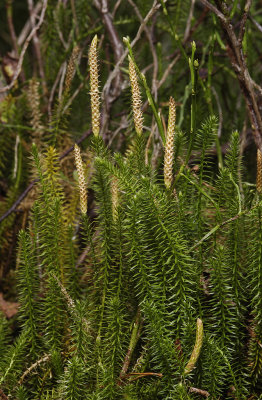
(13, 362)
(108, 301)
(29, 290)
(73, 381)
(4, 334)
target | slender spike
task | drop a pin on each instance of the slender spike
(94, 87)
(259, 171)
(169, 147)
(136, 98)
(114, 194)
(81, 180)
(71, 68)
(34, 103)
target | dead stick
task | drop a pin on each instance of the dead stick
(37, 44)
(199, 391)
(236, 56)
(2, 395)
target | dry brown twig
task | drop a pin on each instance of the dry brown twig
(118, 50)
(53, 89)
(43, 359)
(25, 46)
(75, 94)
(36, 44)
(199, 391)
(26, 29)
(60, 33)
(152, 48)
(220, 113)
(71, 304)
(110, 92)
(189, 20)
(238, 62)
(106, 93)
(61, 82)
(2, 395)
(73, 8)
(9, 16)
(122, 126)
(60, 78)
(138, 375)
(116, 7)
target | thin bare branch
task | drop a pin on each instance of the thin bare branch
(71, 304)
(73, 7)
(52, 92)
(167, 71)
(43, 359)
(116, 69)
(243, 21)
(25, 46)
(189, 20)
(26, 29)
(199, 391)
(9, 16)
(220, 113)
(116, 7)
(76, 92)
(36, 44)
(238, 62)
(214, 9)
(257, 25)
(152, 48)
(118, 49)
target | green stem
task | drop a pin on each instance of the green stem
(218, 226)
(174, 34)
(133, 341)
(19, 164)
(209, 98)
(193, 65)
(238, 194)
(201, 191)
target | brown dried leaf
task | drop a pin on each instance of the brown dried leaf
(7, 307)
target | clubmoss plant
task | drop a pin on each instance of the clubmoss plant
(110, 295)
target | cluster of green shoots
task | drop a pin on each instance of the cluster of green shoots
(163, 253)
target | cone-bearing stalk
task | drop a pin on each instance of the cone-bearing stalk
(71, 68)
(259, 171)
(136, 98)
(169, 147)
(81, 180)
(94, 91)
(114, 194)
(34, 103)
